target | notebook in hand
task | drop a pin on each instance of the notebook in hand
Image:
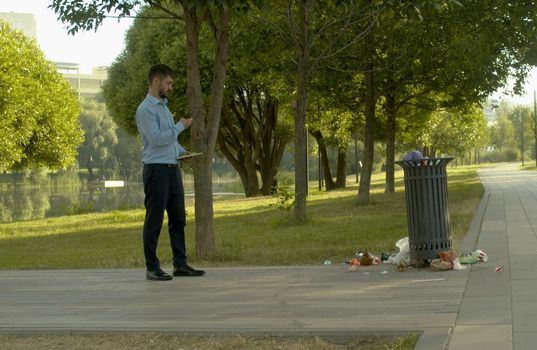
(188, 155)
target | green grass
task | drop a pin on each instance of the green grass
(248, 231)
(165, 341)
(530, 166)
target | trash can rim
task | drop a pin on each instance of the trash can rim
(443, 160)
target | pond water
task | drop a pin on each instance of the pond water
(66, 194)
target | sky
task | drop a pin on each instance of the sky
(89, 49)
(94, 49)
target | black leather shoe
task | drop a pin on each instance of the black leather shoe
(157, 275)
(187, 271)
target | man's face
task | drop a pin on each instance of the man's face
(165, 86)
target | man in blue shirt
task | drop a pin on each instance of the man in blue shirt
(163, 185)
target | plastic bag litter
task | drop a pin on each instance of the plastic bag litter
(468, 259)
(457, 265)
(445, 261)
(441, 265)
(403, 257)
(477, 256)
(481, 255)
(413, 155)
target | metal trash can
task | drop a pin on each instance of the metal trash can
(429, 230)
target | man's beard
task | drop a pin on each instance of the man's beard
(163, 94)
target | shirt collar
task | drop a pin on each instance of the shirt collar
(155, 100)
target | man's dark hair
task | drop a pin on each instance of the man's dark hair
(159, 70)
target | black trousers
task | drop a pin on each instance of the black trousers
(163, 188)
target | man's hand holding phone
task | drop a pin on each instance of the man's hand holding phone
(186, 122)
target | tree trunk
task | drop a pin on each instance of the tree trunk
(391, 126)
(301, 171)
(341, 180)
(330, 185)
(272, 145)
(89, 166)
(369, 139)
(250, 140)
(205, 126)
(252, 186)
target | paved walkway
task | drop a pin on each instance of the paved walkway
(476, 308)
(499, 310)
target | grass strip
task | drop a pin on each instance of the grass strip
(249, 231)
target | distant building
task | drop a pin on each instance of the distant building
(489, 109)
(87, 85)
(24, 22)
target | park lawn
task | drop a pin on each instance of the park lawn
(166, 341)
(529, 166)
(249, 231)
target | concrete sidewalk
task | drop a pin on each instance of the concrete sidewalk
(454, 309)
(499, 309)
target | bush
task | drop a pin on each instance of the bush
(495, 156)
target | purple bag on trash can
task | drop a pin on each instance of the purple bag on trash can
(413, 155)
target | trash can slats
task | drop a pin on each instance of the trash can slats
(429, 229)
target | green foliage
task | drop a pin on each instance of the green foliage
(502, 134)
(453, 131)
(285, 199)
(107, 148)
(99, 138)
(38, 109)
(89, 14)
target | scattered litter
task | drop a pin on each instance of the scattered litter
(441, 265)
(376, 260)
(445, 261)
(384, 272)
(327, 262)
(457, 265)
(366, 259)
(498, 269)
(475, 257)
(366, 273)
(429, 280)
(402, 259)
(354, 264)
(468, 259)
(481, 255)
(384, 256)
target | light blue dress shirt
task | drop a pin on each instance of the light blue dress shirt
(159, 132)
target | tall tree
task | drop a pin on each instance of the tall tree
(523, 124)
(255, 121)
(502, 134)
(38, 109)
(453, 131)
(204, 106)
(316, 31)
(251, 138)
(253, 130)
(100, 138)
(451, 57)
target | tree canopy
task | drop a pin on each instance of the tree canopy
(39, 111)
